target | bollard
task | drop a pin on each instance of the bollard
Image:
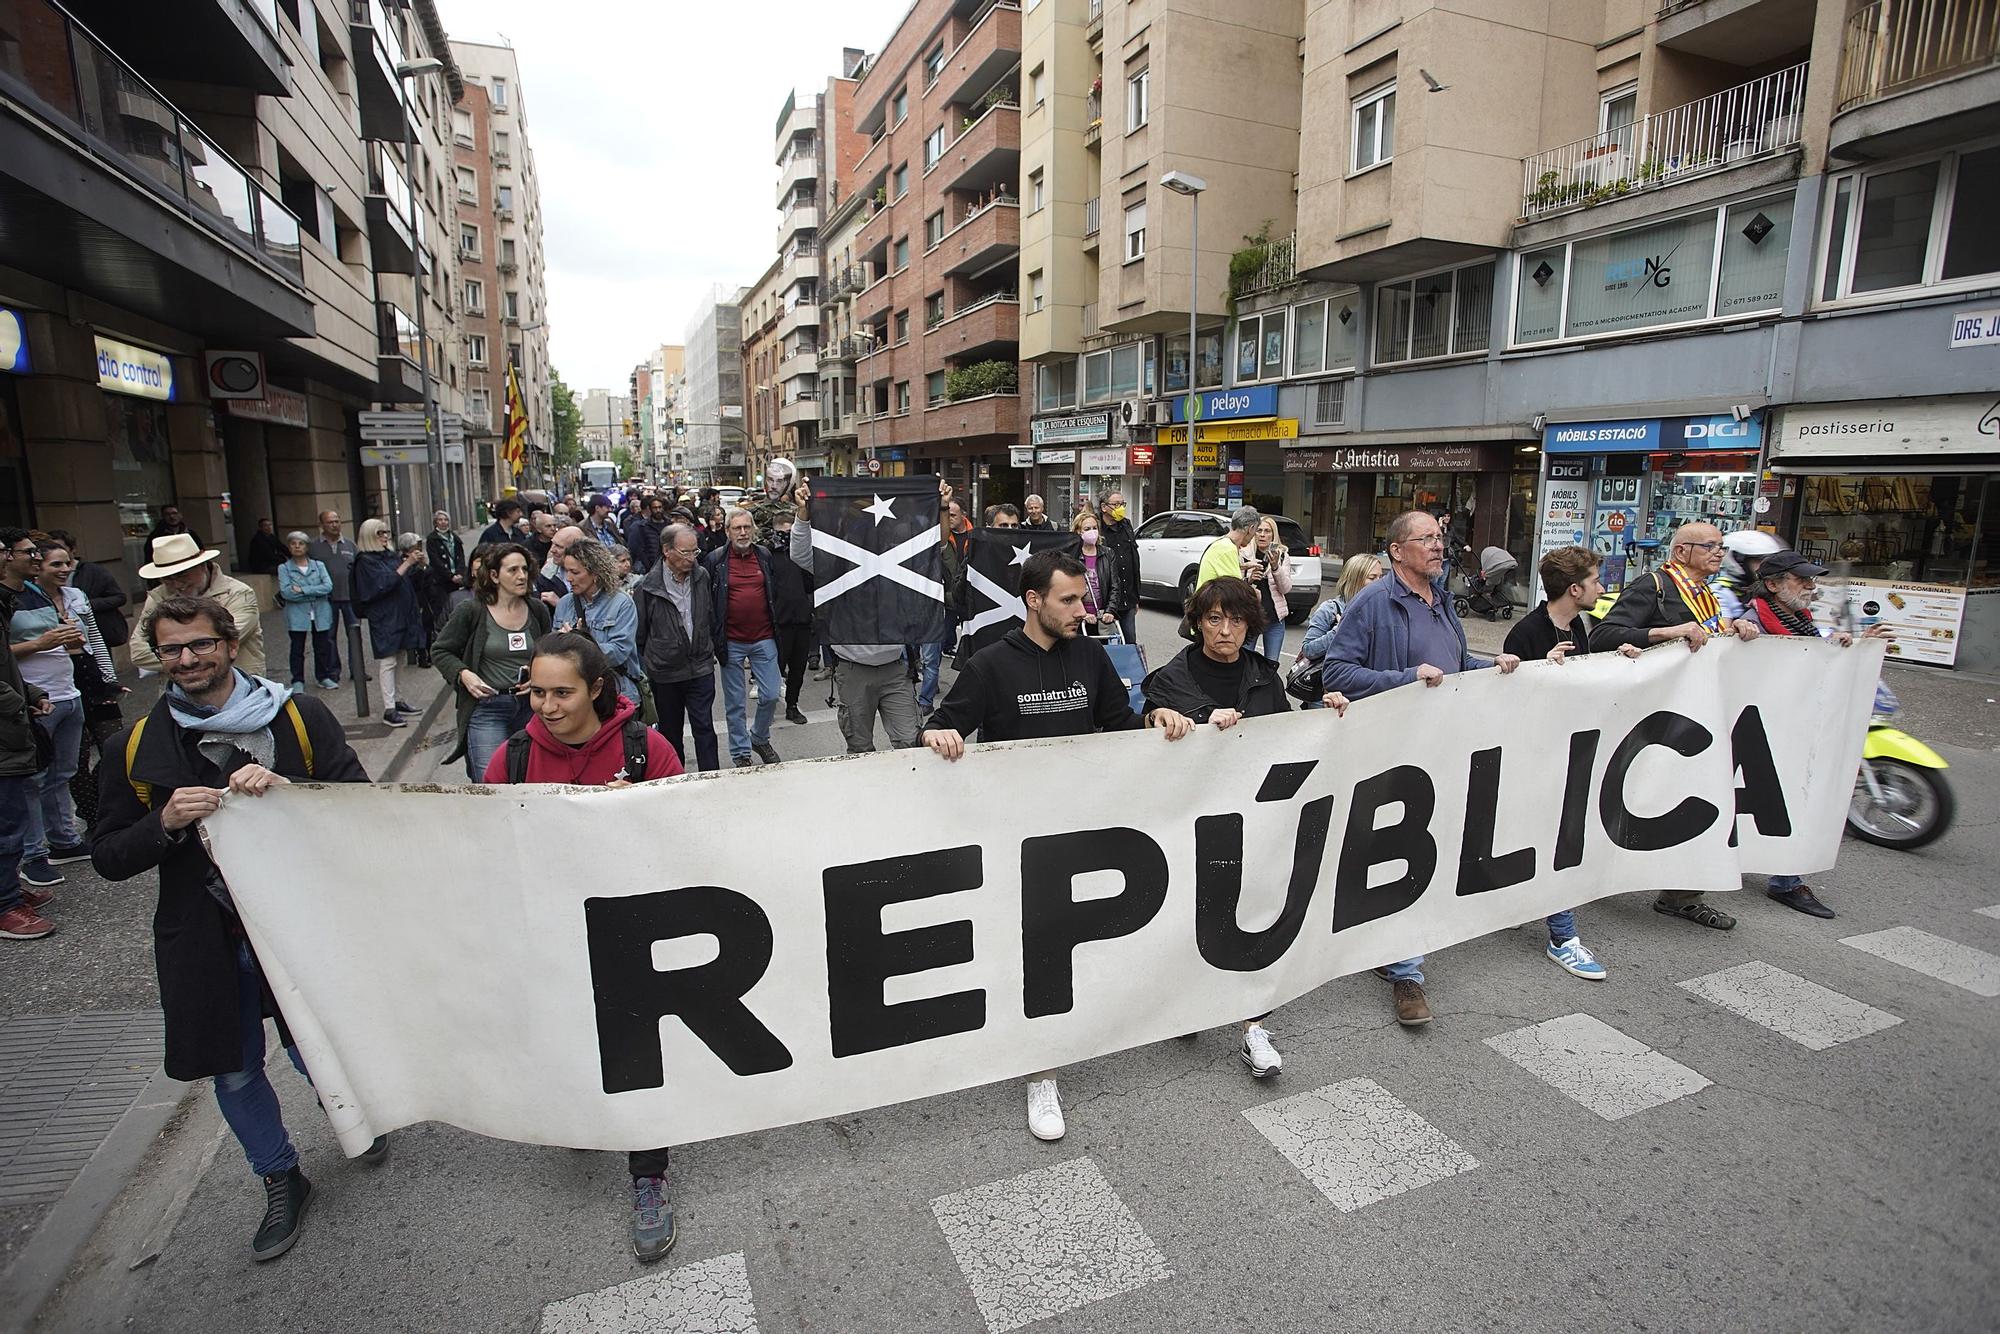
(354, 661)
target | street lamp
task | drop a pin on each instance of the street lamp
(433, 428)
(1181, 183)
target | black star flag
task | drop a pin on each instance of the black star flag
(993, 580)
(876, 560)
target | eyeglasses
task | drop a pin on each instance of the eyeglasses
(31, 552)
(1700, 546)
(201, 648)
(1436, 540)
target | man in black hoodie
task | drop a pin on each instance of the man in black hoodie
(1042, 680)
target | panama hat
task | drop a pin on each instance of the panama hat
(174, 553)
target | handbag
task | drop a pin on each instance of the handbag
(1306, 680)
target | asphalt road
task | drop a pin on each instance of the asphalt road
(1785, 1158)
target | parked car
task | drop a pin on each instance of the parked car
(1170, 547)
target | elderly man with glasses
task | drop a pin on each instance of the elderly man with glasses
(1398, 631)
(1675, 602)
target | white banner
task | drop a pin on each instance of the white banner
(732, 951)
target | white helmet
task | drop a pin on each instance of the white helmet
(1751, 543)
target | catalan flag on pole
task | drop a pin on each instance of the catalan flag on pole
(516, 445)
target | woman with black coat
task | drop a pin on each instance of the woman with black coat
(385, 595)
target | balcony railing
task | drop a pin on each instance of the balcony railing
(1093, 209)
(1093, 118)
(1754, 119)
(1893, 46)
(1279, 267)
(64, 72)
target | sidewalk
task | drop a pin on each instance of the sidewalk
(82, 1098)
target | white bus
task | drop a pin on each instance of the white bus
(598, 475)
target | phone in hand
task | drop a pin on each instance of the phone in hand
(521, 677)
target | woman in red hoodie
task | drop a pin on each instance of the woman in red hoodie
(585, 733)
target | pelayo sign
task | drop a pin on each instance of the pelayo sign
(1258, 400)
(921, 926)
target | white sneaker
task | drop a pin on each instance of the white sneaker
(1045, 1116)
(1259, 1054)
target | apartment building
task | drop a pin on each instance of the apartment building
(762, 311)
(712, 404)
(794, 430)
(479, 284)
(605, 425)
(1729, 261)
(938, 386)
(666, 375)
(840, 219)
(208, 268)
(504, 212)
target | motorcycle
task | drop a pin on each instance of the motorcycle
(1901, 799)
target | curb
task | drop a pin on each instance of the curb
(45, 1261)
(393, 770)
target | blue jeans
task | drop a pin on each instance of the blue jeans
(1128, 621)
(763, 659)
(14, 804)
(248, 1102)
(1562, 926)
(492, 722)
(1409, 970)
(52, 817)
(1781, 883)
(1274, 638)
(932, 658)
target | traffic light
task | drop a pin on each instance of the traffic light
(680, 426)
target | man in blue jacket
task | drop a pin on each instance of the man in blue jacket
(1397, 631)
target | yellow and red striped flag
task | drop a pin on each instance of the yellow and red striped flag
(515, 446)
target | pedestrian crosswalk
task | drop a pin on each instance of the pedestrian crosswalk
(1058, 1238)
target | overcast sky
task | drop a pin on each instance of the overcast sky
(653, 126)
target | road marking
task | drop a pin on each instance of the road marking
(1933, 956)
(1806, 1012)
(1357, 1143)
(707, 1297)
(1587, 1059)
(1045, 1242)
(1994, 911)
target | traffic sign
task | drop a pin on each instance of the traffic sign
(874, 466)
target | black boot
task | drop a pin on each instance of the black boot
(285, 1198)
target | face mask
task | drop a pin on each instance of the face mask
(1117, 514)
(1090, 537)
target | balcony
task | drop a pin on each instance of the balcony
(798, 169)
(987, 153)
(1758, 119)
(800, 217)
(1093, 221)
(1093, 28)
(231, 43)
(113, 191)
(803, 410)
(391, 237)
(378, 93)
(993, 414)
(802, 361)
(1916, 75)
(982, 329)
(398, 360)
(873, 304)
(507, 264)
(990, 235)
(1743, 33)
(1280, 267)
(844, 351)
(989, 50)
(804, 315)
(1093, 121)
(802, 266)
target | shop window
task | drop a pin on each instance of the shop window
(1260, 346)
(1374, 127)
(1662, 273)
(1914, 225)
(1208, 361)
(1308, 337)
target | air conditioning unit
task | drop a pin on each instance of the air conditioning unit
(1159, 414)
(1131, 412)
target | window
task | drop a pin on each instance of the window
(500, 143)
(468, 240)
(902, 260)
(503, 197)
(461, 125)
(499, 95)
(933, 147)
(1138, 103)
(1375, 127)
(1055, 383)
(1208, 361)
(478, 406)
(510, 305)
(475, 297)
(507, 251)
(1035, 191)
(933, 64)
(933, 310)
(933, 229)
(1616, 111)
(1438, 315)
(1135, 232)
(902, 326)
(934, 388)
(475, 349)
(1035, 291)
(1117, 372)
(1330, 403)
(1915, 225)
(514, 355)
(900, 185)
(1036, 81)
(1260, 346)
(900, 108)
(468, 183)
(902, 397)
(1661, 273)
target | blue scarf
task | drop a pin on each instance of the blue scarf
(242, 722)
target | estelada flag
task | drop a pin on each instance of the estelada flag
(993, 580)
(876, 563)
(515, 447)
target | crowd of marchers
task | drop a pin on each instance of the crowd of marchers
(586, 652)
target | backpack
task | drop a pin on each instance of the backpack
(634, 733)
(144, 790)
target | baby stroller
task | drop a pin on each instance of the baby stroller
(1485, 587)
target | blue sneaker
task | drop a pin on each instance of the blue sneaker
(1572, 957)
(39, 873)
(652, 1219)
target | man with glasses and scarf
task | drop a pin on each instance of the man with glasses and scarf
(215, 730)
(1675, 602)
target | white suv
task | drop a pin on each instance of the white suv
(1171, 544)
